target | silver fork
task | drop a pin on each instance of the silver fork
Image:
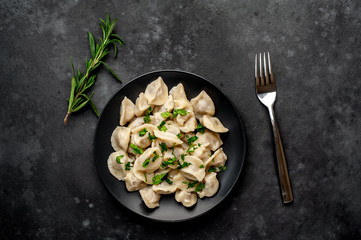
(266, 93)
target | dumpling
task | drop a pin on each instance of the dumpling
(202, 105)
(150, 198)
(168, 138)
(186, 198)
(218, 159)
(120, 138)
(193, 171)
(165, 187)
(211, 185)
(190, 125)
(182, 182)
(136, 122)
(202, 152)
(140, 136)
(116, 164)
(157, 92)
(167, 106)
(212, 138)
(182, 105)
(149, 161)
(213, 124)
(132, 183)
(126, 111)
(172, 127)
(178, 92)
(141, 104)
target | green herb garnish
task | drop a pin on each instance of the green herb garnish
(136, 149)
(157, 179)
(191, 184)
(127, 166)
(179, 135)
(200, 128)
(145, 178)
(201, 166)
(143, 132)
(199, 187)
(222, 168)
(179, 111)
(118, 159)
(146, 118)
(170, 161)
(165, 114)
(212, 169)
(81, 82)
(183, 165)
(156, 156)
(146, 163)
(168, 181)
(192, 139)
(162, 126)
(163, 147)
(151, 137)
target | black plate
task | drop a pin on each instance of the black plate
(234, 146)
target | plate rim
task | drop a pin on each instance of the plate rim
(234, 182)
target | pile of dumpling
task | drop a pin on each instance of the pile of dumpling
(167, 144)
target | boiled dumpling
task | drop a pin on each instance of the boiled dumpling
(167, 106)
(116, 164)
(168, 138)
(202, 152)
(132, 183)
(218, 159)
(211, 185)
(140, 135)
(188, 199)
(126, 111)
(149, 161)
(178, 92)
(150, 198)
(212, 138)
(190, 125)
(203, 104)
(141, 105)
(195, 170)
(182, 182)
(213, 124)
(172, 127)
(120, 138)
(182, 105)
(157, 92)
(136, 122)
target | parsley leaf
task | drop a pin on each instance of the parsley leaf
(212, 169)
(162, 126)
(192, 139)
(136, 149)
(118, 159)
(159, 178)
(222, 168)
(127, 166)
(179, 111)
(179, 135)
(201, 166)
(163, 147)
(168, 181)
(143, 132)
(185, 164)
(146, 163)
(200, 128)
(156, 156)
(191, 184)
(145, 178)
(146, 118)
(151, 137)
(170, 161)
(165, 114)
(199, 187)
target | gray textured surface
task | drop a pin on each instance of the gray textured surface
(49, 187)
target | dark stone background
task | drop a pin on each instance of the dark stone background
(49, 187)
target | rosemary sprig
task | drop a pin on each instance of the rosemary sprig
(81, 82)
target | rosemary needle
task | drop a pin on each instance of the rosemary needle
(81, 82)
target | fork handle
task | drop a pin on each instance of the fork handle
(284, 180)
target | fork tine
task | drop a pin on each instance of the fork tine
(260, 69)
(270, 69)
(255, 71)
(265, 69)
